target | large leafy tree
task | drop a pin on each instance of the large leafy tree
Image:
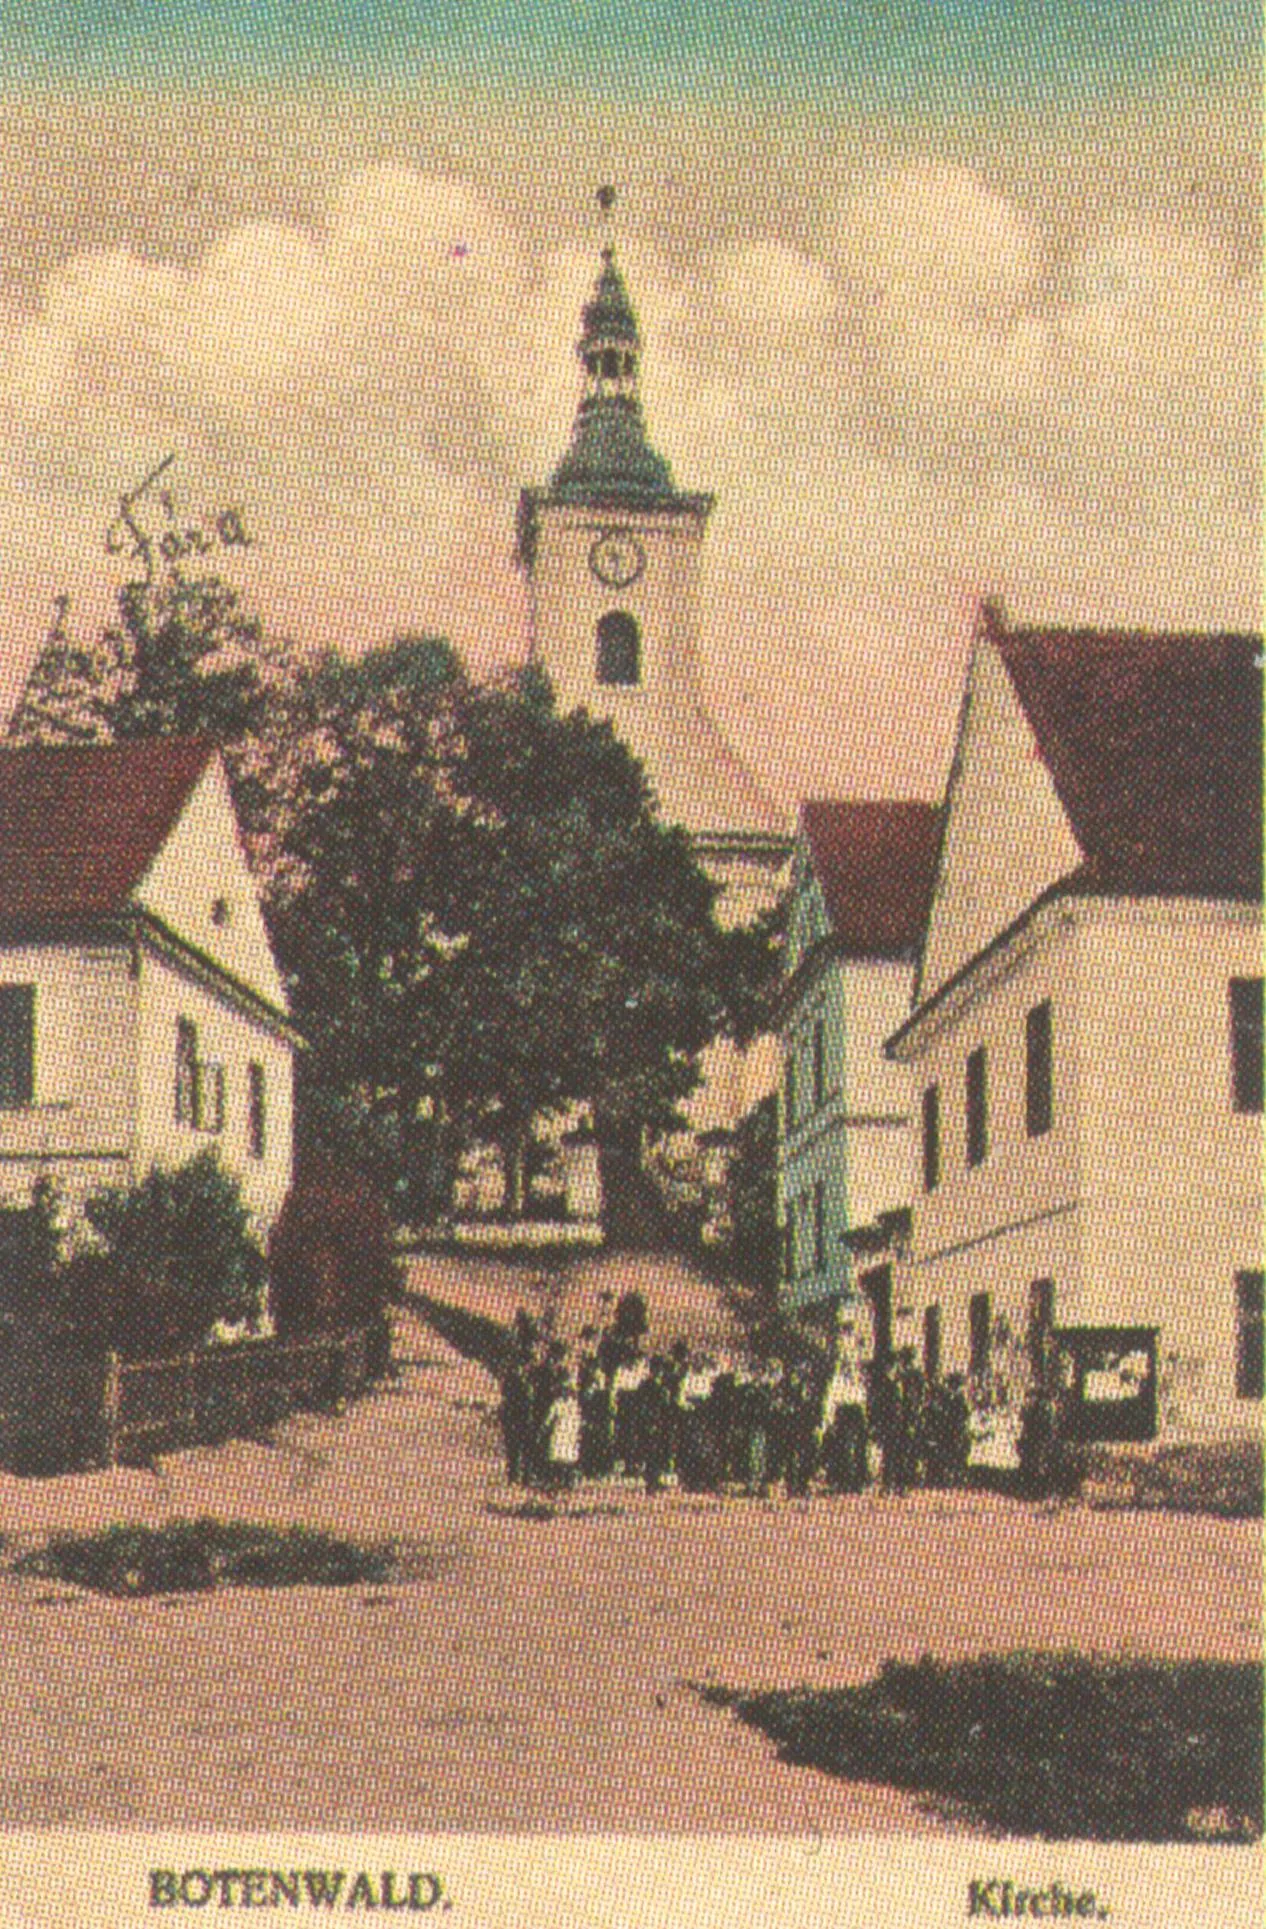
(486, 921)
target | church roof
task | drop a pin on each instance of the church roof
(608, 314)
(610, 459)
(875, 860)
(81, 824)
(1154, 745)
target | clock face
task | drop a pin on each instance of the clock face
(617, 559)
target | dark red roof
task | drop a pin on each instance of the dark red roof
(1154, 744)
(875, 861)
(79, 825)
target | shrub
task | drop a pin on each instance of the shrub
(331, 1259)
(1057, 1745)
(174, 1257)
(191, 1556)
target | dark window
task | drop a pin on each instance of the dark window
(931, 1138)
(1037, 1070)
(1041, 1327)
(186, 1072)
(819, 1227)
(610, 362)
(17, 1044)
(980, 1323)
(791, 1083)
(932, 1342)
(1246, 1043)
(789, 1245)
(256, 1112)
(977, 1108)
(619, 648)
(819, 1064)
(1250, 1350)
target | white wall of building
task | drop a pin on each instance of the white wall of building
(1172, 1174)
(1007, 838)
(233, 1040)
(78, 1130)
(1144, 1198)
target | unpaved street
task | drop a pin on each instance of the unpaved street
(539, 1678)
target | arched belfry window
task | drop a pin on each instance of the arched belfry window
(619, 648)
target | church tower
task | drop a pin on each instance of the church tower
(612, 550)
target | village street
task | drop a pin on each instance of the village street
(536, 1674)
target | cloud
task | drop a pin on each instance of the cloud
(947, 382)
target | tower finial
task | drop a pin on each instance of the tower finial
(606, 201)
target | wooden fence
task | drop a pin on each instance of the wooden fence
(77, 1413)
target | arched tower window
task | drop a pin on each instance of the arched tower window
(619, 648)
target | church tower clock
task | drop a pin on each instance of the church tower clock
(612, 550)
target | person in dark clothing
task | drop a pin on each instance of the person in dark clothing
(545, 1382)
(516, 1415)
(910, 1403)
(885, 1424)
(657, 1404)
(844, 1455)
(946, 1437)
(596, 1443)
(795, 1413)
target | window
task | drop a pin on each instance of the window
(17, 1044)
(256, 1112)
(980, 1323)
(977, 1108)
(791, 1082)
(819, 1065)
(186, 1072)
(1250, 1350)
(932, 1342)
(1246, 1043)
(1037, 1070)
(619, 648)
(199, 1085)
(789, 1245)
(819, 1226)
(931, 1138)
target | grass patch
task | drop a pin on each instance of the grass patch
(193, 1556)
(1056, 1745)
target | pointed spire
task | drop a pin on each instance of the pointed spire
(610, 458)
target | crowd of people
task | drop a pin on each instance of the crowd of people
(711, 1422)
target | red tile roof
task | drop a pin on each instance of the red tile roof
(875, 862)
(1154, 744)
(80, 825)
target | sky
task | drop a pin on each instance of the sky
(940, 301)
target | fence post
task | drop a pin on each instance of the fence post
(110, 1404)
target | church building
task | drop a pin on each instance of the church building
(612, 551)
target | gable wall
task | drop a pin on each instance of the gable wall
(202, 861)
(1007, 838)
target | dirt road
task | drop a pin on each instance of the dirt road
(540, 1679)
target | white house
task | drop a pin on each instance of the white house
(861, 880)
(142, 1015)
(1086, 1039)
